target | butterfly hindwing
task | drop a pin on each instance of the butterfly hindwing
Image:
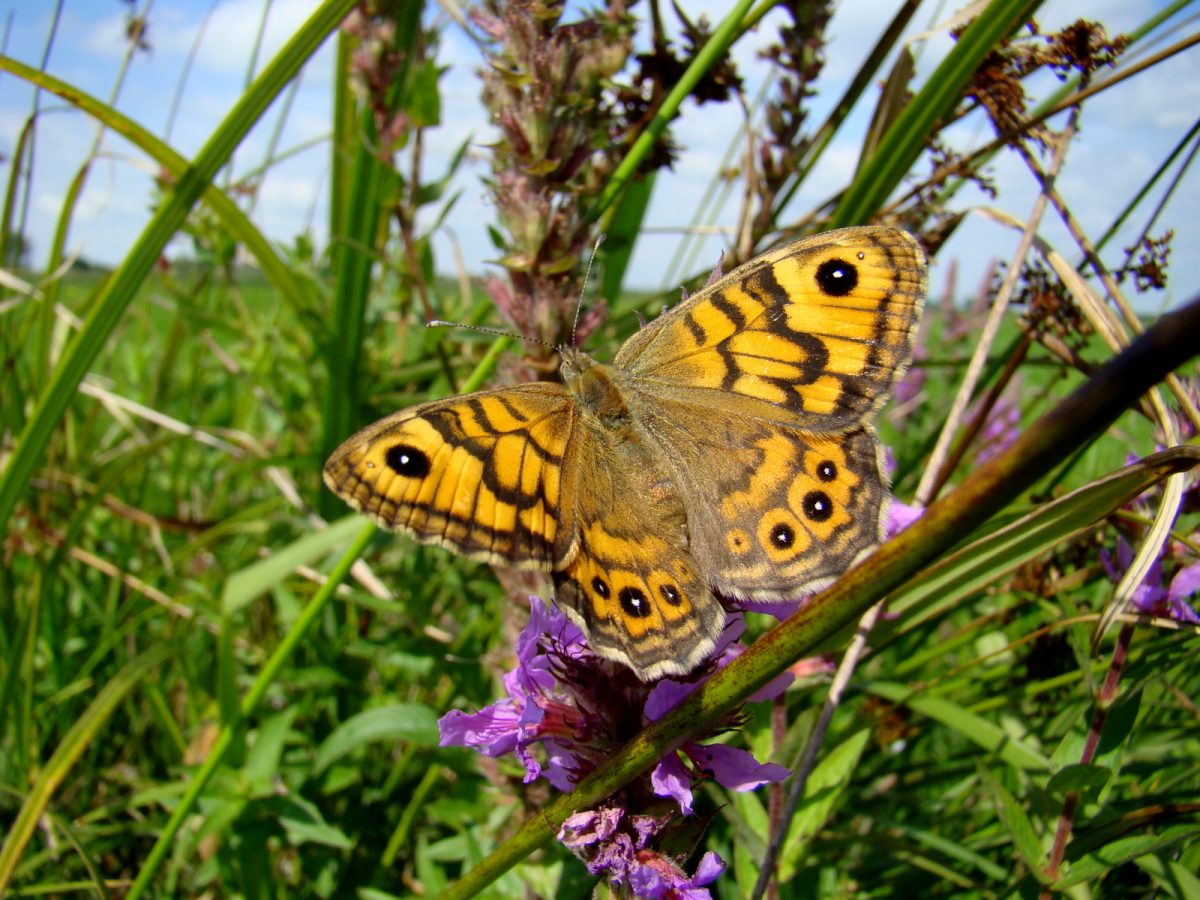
(785, 511)
(632, 584)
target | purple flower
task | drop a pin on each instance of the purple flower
(901, 515)
(579, 708)
(536, 710)
(1151, 597)
(658, 877)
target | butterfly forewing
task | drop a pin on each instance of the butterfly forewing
(482, 474)
(813, 333)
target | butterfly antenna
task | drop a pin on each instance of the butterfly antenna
(583, 290)
(483, 329)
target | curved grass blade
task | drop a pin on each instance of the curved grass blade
(120, 289)
(77, 739)
(983, 561)
(235, 222)
(904, 141)
(256, 579)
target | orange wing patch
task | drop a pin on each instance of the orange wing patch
(480, 474)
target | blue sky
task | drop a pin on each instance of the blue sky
(1126, 133)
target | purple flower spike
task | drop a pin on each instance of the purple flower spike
(579, 708)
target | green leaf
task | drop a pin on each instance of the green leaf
(1127, 849)
(396, 722)
(255, 580)
(1020, 828)
(1078, 778)
(424, 100)
(305, 832)
(263, 759)
(622, 227)
(971, 726)
(824, 793)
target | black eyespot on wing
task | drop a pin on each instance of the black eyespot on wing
(827, 470)
(782, 536)
(634, 602)
(600, 586)
(817, 506)
(407, 461)
(836, 277)
(671, 594)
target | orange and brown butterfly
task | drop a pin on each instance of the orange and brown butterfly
(727, 451)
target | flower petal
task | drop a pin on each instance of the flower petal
(901, 515)
(708, 869)
(664, 697)
(492, 731)
(1185, 583)
(732, 767)
(670, 779)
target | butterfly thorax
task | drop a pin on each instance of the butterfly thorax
(592, 383)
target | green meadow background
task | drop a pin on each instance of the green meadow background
(214, 681)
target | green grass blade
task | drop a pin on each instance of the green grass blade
(235, 222)
(974, 728)
(866, 75)
(73, 745)
(824, 792)
(9, 251)
(255, 580)
(221, 746)
(906, 138)
(1013, 815)
(725, 34)
(366, 192)
(990, 558)
(410, 722)
(621, 231)
(117, 294)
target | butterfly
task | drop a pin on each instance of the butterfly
(726, 452)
